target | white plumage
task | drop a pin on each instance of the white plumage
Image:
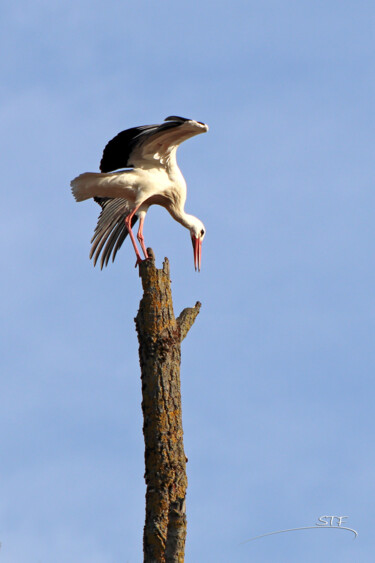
(154, 178)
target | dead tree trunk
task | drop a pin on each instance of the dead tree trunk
(160, 335)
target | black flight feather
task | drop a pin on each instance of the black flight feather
(117, 153)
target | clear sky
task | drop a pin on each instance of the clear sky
(278, 370)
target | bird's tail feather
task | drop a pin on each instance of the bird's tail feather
(85, 185)
(99, 184)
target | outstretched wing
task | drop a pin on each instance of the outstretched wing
(110, 231)
(149, 143)
(129, 149)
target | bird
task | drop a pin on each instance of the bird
(139, 169)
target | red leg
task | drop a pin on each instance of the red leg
(128, 224)
(140, 236)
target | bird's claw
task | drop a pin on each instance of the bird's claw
(139, 261)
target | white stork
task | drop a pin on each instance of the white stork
(154, 178)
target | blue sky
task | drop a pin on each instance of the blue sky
(277, 372)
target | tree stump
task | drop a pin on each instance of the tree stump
(160, 335)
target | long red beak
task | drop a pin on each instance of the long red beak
(197, 246)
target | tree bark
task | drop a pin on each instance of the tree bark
(160, 335)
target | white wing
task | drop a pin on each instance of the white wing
(149, 144)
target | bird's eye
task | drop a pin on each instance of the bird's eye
(202, 233)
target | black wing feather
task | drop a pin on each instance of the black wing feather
(118, 150)
(110, 231)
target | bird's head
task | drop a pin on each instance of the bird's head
(197, 232)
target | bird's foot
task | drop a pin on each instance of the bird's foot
(139, 261)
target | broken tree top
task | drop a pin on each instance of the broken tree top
(160, 335)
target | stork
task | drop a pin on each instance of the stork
(153, 178)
